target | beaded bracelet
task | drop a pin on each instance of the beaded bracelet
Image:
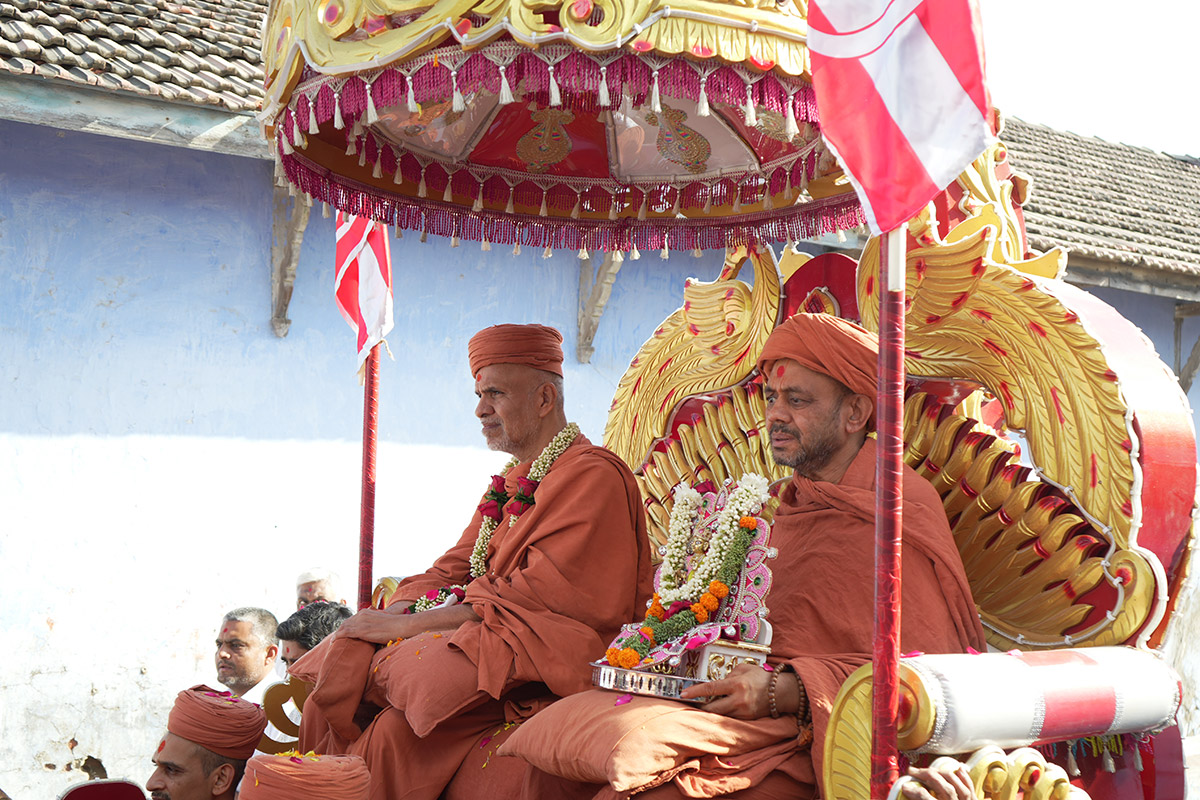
(771, 707)
(801, 703)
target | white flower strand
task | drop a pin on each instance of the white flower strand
(746, 500)
(541, 465)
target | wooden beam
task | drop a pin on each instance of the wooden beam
(1185, 310)
(70, 107)
(594, 291)
(1188, 373)
(289, 221)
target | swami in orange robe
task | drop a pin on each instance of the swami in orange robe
(561, 579)
(821, 601)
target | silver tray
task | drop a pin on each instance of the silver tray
(648, 683)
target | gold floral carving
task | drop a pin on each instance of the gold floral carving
(678, 143)
(274, 700)
(547, 143)
(710, 345)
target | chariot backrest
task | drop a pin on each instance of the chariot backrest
(1060, 443)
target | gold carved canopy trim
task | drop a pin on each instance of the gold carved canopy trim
(344, 37)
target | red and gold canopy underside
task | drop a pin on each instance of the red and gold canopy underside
(595, 143)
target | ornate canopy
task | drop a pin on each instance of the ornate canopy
(597, 125)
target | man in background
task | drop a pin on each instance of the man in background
(303, 630)
(317, 586)
(246, 652)
(210, 735)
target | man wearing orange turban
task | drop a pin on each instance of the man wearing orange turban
(554, 559)
(819, 374)
(291, 776)
(210, 735)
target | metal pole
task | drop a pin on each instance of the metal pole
(366, 539)
(888, 508)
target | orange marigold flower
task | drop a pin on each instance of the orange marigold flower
(648, 632)
(612, 656)
(749, 523)
(709, 601)
(700, 611)
(656, 610)
(718, 590)
(628, 658)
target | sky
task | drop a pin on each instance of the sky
(1124, 72)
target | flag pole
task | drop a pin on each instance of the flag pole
(888, 508)
(366, 537)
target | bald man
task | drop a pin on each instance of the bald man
(210, 735)
(554, 560)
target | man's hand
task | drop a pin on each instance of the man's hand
(375, 626)
(742, 694)
(945, 779)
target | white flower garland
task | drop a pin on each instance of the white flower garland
(541, 465)
(746, 500)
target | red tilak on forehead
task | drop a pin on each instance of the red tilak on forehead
(161, 745)
(779, 372)
(477, 374)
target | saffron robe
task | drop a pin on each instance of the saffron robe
(561, 580)
(821, 607)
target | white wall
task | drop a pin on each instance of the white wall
(164, 457)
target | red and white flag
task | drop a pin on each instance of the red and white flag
(363, 282)
(902, 97)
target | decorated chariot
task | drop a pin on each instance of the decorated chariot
(1060, 444)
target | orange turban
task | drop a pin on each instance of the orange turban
(827, 344)
(291, 776)
(228, 726)
(534, 346)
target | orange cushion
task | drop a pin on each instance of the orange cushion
(588, 737)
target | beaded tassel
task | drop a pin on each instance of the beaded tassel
(790, 128)
(555, 97)
(447, 195)
(421, 190)
(506, 95)
(612, 207)
(675, 205)
(337, 112)
(508, 209)
(618, 257)
(377, 170)
(1106, 758)
(655, 103)
(285, 145)
(454, 240)
(547, 252)
(485, 246)
(751, 116)
(697, 252)
(372, 115)
(577, 207)
(1137, 755)
(398, 178)
(399, 233)
(634, 255)
(643, 208)
(1072, 765)
(666, 252)
(702, 109)
(362, 155)
(517, 248)
(413, 108)
(477, 206)
(602, 97)
(583, 254)
(457, 103)
(737, 200)
(708, 201)
(312, 116)
(542, 210)
(325, 210)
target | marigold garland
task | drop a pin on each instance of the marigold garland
(730, 544)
